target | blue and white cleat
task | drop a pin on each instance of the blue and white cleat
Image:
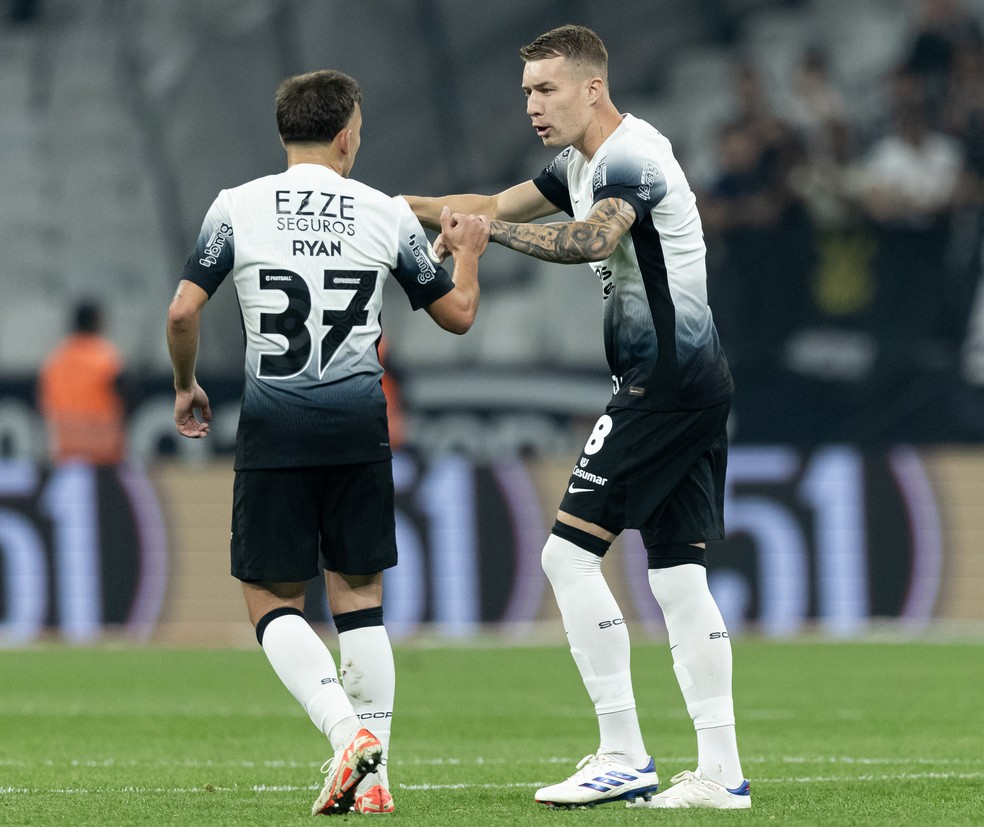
(599, 779)
(690, 790)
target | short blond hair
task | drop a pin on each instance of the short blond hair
(578, 44)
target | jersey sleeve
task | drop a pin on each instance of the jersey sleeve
(552, 182)
(631, 176)
(423, 280)
(214, 253)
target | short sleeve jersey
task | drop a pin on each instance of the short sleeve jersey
(660, 340)
(309, 252)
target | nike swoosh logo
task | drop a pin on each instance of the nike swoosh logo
(572, 490)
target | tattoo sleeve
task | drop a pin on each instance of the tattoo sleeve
(570, 242)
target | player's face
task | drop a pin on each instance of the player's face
(556, 101)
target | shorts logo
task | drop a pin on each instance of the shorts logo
(587, 476)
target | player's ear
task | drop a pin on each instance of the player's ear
(595, 89)
(344, 139)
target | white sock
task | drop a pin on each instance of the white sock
(599, 642)
(306, 667)
(702, 662)
(369, 678)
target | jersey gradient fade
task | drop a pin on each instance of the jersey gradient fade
(309, 252)
(660, 340)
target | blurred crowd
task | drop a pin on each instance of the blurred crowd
(848, 249)
(844, 235)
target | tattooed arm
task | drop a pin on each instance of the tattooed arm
(570, 242)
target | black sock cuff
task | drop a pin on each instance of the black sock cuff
(582, 539)
(359, 619)
(272, 615)
(675, 554)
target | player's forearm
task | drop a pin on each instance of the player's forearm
(184, 353)
(570, 242)
(456, 311)
(182, 344)
(184, 317)
(466, 289)
(565, 242)
(428, 210)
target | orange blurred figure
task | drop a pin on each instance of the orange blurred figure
(79, 397)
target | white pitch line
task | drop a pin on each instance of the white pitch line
(852, 760)
(270, 788)
(909, 776)
(397, 761)
(259, 788)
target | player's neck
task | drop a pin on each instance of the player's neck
(321, 154)
(606, 119)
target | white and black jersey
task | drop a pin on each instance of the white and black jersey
(309, 252)
(660, 339)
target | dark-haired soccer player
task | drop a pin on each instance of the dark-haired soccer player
(309, 250)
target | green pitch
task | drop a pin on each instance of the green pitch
(831, 734)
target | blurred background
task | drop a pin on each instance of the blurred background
(836, 148)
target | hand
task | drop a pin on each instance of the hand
(185, 404)
(440, 249)
(464, 233)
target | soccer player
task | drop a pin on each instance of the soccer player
(656, 458)
(309, 250)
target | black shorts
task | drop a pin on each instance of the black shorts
(661, 472)
(283, 518)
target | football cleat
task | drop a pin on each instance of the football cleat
(599, 779)
(691, 790)
(344, 772)
(371, 796)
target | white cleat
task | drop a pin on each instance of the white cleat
(691, 790)
(600, 779)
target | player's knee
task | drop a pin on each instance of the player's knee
(676, 587)
(270, 616)
(570, 550)
(552, 558)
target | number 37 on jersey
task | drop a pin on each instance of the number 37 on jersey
(292, 322)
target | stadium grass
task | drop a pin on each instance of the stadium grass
(831, 733)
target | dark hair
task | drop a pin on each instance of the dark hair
(314, 108)
(88, 317)
(577, 43)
